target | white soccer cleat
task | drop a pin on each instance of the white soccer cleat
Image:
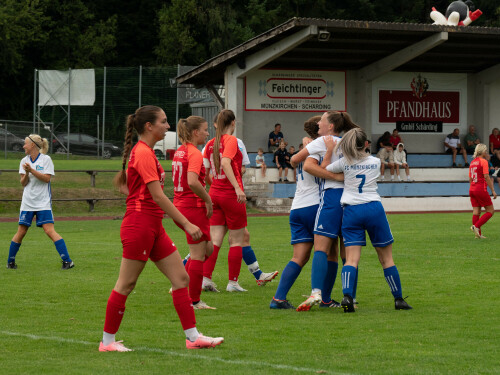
(266, 277)
(314, 299)
(116, 346)
(208, 285)
(233, 286)
(204, 342)
(203, 306)
(475, 229)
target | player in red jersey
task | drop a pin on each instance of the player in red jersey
(142, 232)
(192, 200)
(226, 191)
(479, 179)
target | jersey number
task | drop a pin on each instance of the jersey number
(177, 171)
(473, 172)
(363, 178)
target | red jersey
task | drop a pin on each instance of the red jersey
(187, 158)
(228, 149)
(143, 168)
(478, 168)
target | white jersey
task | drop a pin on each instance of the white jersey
(317, 150)
(37, 195)
(360, 180)
(307, 191)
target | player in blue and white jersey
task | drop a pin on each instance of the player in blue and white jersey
(363, 211)
(304, 207)
(329, 216)
(36, 169)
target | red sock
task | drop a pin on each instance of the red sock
(234, 262)
(184, 308)
(114, 312)
(209, 265)
(195, 279)
(188, 263)
(486, 216)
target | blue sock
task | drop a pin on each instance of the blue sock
(251, 261)
(348, 277)
(288, 277)
(355, 288)
(319, 269)
(331, 275)
(62, 250)
(392, 277)
(13, 249)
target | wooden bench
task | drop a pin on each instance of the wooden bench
(90, 201)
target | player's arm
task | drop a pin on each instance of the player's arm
(197, 188)
(490, 184)
(312, 167)
(330, 146)
(168, 207)
(299, 157)
(228, 171)
(41, 176)
(25, 179)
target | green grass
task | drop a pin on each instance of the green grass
(52, 320)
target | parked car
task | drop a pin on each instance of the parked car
(166, 144)
(84, 144)
(14, 143)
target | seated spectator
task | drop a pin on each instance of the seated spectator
(400, 160)
(395, 139)
(384, 138)
(260, 163)
(386, 156)
(493, 170)
(495, 159)
(282, 159)
(275, 138)
(471, 140)
(453, 146)
(494, 140)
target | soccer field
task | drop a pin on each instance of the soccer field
(52, 320)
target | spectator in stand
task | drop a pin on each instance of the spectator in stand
(386, 157)
(395, 139)
(495, 163)
(400, 160)
(275, 138)
(471, 140)
(494, 140)
(385, 138)
(260, 162)
(282, 159)
(453, 146)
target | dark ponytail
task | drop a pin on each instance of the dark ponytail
(224, 120)
(342, 121)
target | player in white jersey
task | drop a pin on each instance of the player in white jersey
(304, 207)
(36, 169)
(363, 211)
(329, 215)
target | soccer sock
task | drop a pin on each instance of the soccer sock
(184, 307)
(114, 315)
(62, 250)
(392, 277)
(251, 261)
(209, 265)
(192, 334)
(319, 269)
(331, 275)
(475, 218)
(486, 216)
(348, 277)
(234, 262)
(13, 249)
(355, 286)
(195, 279)
(288, 277)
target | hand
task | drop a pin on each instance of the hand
(27, 167)
(241, 195)
(329, 142)
(210, 209)
(494, 195)
(193, 231)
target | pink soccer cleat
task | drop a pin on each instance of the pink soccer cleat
(203, 342)
(116, 346)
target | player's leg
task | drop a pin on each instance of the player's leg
(331, 276)
(490, 210)
(250, 260)
(60, 245)
(234, 258)
(217, 233)
(15, 244)
(195, 271)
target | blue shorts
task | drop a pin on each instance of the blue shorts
(329, 217)
(302, 225)
(370, 217)
(42, 217)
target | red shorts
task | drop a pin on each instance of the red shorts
(143, 237)
(480, 198)
(227, 211)
(198, 217)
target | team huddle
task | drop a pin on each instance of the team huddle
(336, 185)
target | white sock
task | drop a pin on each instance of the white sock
(192, 334)
(107, 338)
(315, 290)
(254, 267)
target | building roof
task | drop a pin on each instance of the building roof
(357, 44)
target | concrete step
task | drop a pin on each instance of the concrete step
(276, 205)
(262, 189)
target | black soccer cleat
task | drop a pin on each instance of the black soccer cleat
(400, 304)
(347, 304)
(67, 265)
(332, 303)
(281, 305)
(12, 265)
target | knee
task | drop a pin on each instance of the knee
(183, 281)
(125, 288)
(246, 237)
